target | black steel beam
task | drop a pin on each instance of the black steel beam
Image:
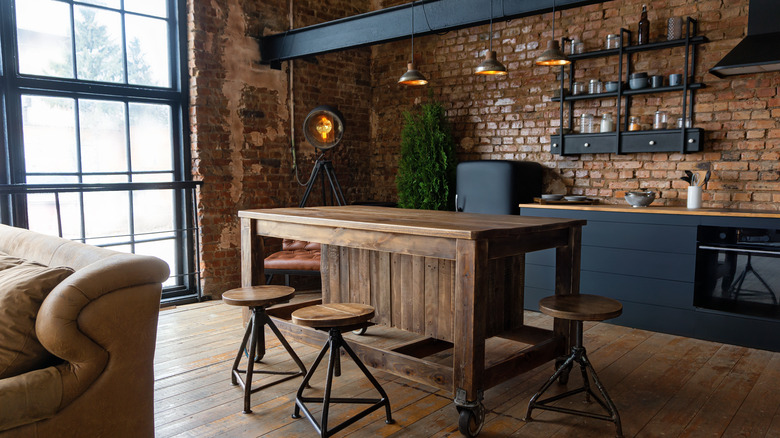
(391, 24)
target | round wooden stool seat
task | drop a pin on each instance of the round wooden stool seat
(258, 296)
(333, 315)
(580, 307)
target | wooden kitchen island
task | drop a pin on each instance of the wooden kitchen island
(455, 279)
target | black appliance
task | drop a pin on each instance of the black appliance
(738, 271)
(760, 50)
(496, 186)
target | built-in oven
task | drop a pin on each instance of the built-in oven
(738, 270)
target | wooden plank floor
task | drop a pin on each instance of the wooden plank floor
(663, 385)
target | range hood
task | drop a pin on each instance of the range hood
(760, 50)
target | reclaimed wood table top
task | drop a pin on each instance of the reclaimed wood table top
(447, 224)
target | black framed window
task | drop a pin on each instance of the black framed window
(95, 98)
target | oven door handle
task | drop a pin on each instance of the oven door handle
(740, 250)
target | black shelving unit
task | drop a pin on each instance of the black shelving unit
(621, 140)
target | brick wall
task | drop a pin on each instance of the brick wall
(240, 119)
(512, 117)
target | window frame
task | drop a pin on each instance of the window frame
(13, 85)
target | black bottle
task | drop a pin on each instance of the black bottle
(643, 35)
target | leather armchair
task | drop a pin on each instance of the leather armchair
(101, 322)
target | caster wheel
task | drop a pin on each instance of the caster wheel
(471, 420)
(360, 332)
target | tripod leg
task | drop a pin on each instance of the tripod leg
(334, 184)
(312, 179)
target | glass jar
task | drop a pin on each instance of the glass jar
(578, 88)
(578, 47)
(594, 87)
(682, 120)
(573, 46)
(659, 120)
(613, 41)
(586, 124)
(633, 124)
(607, 125)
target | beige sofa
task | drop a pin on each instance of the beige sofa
(100, 324)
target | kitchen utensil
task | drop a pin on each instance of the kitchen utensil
(706, 178)
(675, 79)
(640, 198)
(656, 81)
(637, 81)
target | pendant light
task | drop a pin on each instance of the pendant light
(412, 76)
(553, 54)
(491, 65)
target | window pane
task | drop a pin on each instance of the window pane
(150, 137)
(152, 209)
(147, 51)
(99, 54)
(158, 8)
(107, 214)
(44, 36)
(164, 249)
(103, 138)
(107, 3)
(49, 128)
(42, 208)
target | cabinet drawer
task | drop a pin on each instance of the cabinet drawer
(669, 140)
(585, 144)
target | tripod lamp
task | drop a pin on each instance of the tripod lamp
(323, 128)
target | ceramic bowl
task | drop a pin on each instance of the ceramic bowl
(552, 197)
(640, 198)
(637, 83)
(610, 86)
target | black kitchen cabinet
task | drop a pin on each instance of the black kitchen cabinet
(621, 140)
(647, 261)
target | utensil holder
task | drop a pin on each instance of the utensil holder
(694, 197)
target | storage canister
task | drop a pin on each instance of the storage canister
(594, 87)
(613, 41)
(586, 124)
(607, 125)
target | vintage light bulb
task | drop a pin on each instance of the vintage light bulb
(324, 127)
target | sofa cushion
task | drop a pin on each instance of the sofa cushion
(23, 287)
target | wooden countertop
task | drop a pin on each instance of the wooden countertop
(448, 224)
(661, 209)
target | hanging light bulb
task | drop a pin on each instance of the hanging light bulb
(553, 55)
(412, 76)
(491, 65)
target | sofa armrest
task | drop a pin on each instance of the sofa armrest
(62, 327)
(29, 397)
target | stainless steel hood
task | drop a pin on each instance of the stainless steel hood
(760, 50)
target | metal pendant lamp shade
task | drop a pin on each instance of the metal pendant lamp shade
(553, 55)
(491, 65)
(412, 77)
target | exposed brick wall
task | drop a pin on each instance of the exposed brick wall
(240, 119)
(512, 117)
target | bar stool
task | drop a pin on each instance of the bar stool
(578, 308)
(334, 318)
(258, 298)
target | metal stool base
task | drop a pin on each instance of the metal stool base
(579, 356)
(335, 343)
(257, 333)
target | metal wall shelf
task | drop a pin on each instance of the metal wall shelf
(621, 140)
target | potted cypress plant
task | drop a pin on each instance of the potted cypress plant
(426, 170)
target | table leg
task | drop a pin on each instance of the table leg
(252, 255)
(567, 282)
(471, 282)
